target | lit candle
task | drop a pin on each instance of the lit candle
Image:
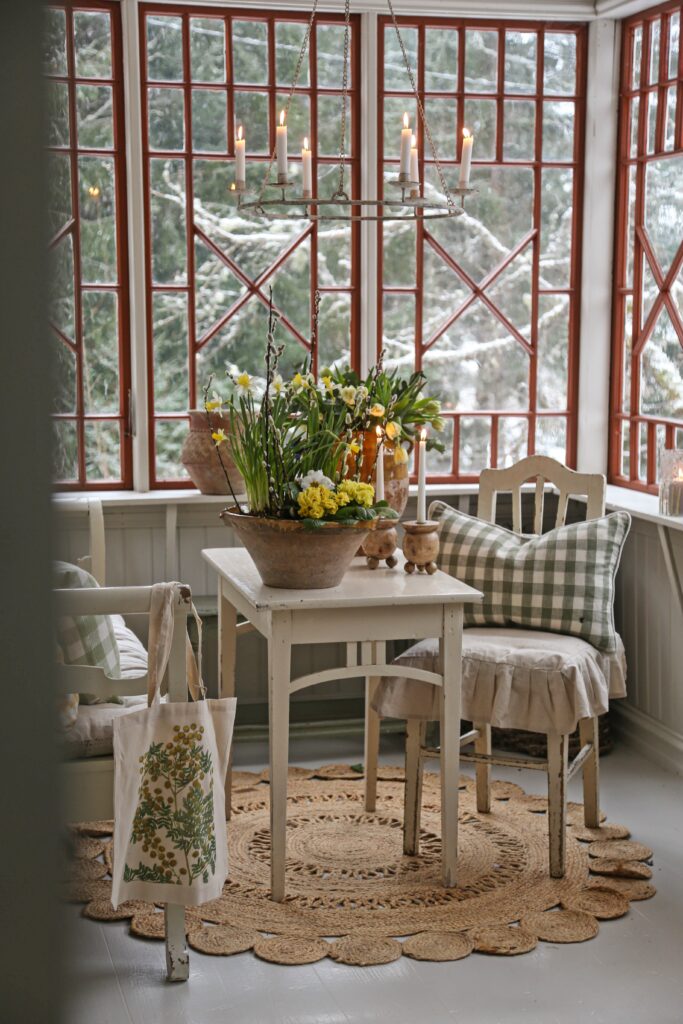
(414, 169)
(422, 478)
(281, 148)
(240, 159)
(379, 466)
(466, 157)
(406, 139)
(307, 170)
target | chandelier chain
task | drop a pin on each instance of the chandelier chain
(345, 91)
(449, 198)
(295, 82)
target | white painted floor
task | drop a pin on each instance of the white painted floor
(632, 973)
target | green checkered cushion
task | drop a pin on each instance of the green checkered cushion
(85, 639)
(562, 581)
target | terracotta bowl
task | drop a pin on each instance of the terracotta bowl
(289, 555)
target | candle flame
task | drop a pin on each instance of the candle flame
(282, 117)
(232, 187)
(679, 474)
(423, 434)
(239, 133)
(378, 431)
(94, 191)
(406, 120)
(466, 133)
(305, 141)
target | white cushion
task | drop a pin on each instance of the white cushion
(131, 650)
(512, 678)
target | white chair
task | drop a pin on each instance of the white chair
(88, 782)
(597, 677)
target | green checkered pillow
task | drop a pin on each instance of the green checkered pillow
(86, 639)
(562, 581)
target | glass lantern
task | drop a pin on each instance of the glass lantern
(671, 482)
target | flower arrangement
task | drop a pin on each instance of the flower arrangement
(297, 444)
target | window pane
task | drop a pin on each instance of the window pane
(58, 176)
(94, 106)
(394, 109)
(289, 37)
(63, 377)
(663, 208)
(553, 351)
(520, 130)
(164, 49)
(513, 440)
(520, 62)
(65, 451)
(559, 63)
(169, 326)
(558, 131)
(334, 255)
(661, 371)
(98, 220)
(61, 290)
(207, 49)
(440, 463)
(54, 42)
(100, 352)
(216, 288)
(102, 451)
(169, 437)
(395, 73)
(637, 57)
(167, 200)
(209, 121)
(299, 120)
(92, 44)
(250, 52)
(674, 43)
(331, 57)
(442, 116)
(398, 323)
(441, 60)
(480, 118)
(57, 102)
(556, 226)
(655, 41)
(335, 338)
(551, 437)
(398, 255)
(166, 119)
(475, 444)
(251, 111)
(481, 61)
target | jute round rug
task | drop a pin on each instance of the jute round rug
(351, 893)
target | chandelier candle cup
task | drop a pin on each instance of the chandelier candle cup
(281, 150)
(406, 145)
(240, 160)
(307, 171)
(466, 158)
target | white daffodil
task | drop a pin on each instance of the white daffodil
(219, 437)
(317, 477)
(362, 393)
(277, 386)
(348, 394)
(244, 384)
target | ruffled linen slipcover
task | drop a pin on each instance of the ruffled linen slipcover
(513, 679)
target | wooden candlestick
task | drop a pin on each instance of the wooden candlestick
(381, 543)
(421, 546)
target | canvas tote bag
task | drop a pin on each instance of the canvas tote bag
(170, 761)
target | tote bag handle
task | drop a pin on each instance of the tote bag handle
(161, 626)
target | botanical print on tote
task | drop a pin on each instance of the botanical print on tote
(174, 818)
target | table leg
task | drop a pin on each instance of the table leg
(373, 653)
(451, 659)
(227, 650)
(279, 669)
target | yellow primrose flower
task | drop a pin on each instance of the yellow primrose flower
(400, 455)
(348, 394)
(393, 430)
(362, 494)
(316, 502)
(377, 409)
(219, 436)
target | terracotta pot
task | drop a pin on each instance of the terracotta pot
(396, 474)
(290, 555)
(200, 458)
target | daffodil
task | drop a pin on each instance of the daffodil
(400, 455)
(353, 448)
(219, 436)
(377, 410)
(214, 404)
(244, 384)
(277, 385)
(393, 430)
(329, 384)
(348, 394)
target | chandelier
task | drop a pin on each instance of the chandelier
(275, 198)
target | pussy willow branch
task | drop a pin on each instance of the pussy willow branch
(217, 446)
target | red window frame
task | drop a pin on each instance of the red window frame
(258, 287)
(72, 227)
(631, 432)
(478, 289)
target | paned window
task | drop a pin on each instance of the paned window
(205, 73)
(487, 304)
(647, 353)
(87, 227)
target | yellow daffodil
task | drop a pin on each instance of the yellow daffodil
(277, 385)
(348, 394)
(393, 430)
(377, 410)
(219, 436)
(329, 385)
(353, 448)
(216, 403)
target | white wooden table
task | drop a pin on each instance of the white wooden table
(367, 609)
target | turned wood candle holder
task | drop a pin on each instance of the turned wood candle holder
(421, 546)
(381, 543)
